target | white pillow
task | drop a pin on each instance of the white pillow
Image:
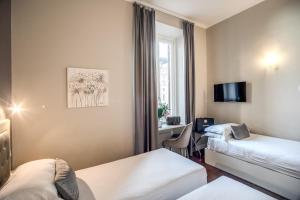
(213, 135)
(32, 180)
(222, 129)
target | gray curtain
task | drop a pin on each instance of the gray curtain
(146, 120)
(189, 61)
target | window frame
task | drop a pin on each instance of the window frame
(172, 71)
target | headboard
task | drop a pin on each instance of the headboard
(5, 153)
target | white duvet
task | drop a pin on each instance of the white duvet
(225, 188)
(270, 152)
(159, 174)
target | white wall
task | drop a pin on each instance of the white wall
(235, 49)
(47, 37)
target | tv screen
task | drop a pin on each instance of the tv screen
(230, 92)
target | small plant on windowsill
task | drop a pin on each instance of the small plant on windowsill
(162, 112)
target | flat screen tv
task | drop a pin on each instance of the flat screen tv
(230, 92)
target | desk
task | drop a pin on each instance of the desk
(167, 128)
(166, 131)
(198, 140)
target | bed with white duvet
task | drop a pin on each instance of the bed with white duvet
(274, 153)
(269, 162)
(159, 174)
(225, 188)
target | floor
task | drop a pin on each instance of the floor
(214, 173)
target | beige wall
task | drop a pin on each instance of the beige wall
(200, 73)
(168, 19)
(5, 56)
(200, 61)
(47, 37)
(235, 48)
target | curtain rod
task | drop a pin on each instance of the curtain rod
(167, 12)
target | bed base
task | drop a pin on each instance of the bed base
(274, 181)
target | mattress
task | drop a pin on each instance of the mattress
(273, 153)
(226, 189)
(159, 174)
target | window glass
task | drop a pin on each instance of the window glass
(164, 49)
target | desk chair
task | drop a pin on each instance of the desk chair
(181, 142)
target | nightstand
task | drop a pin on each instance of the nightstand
(201, 139)
(202, 123)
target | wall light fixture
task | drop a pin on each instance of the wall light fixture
(13, 108)
(16, 109)
(272, 59)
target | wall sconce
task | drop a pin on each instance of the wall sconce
(13, 108)
(272, 60)
(16, 109)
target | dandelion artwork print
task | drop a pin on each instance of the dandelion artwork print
(87, 87)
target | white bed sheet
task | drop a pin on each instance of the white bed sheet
(159, 174)
(274, 153)
(226, 189)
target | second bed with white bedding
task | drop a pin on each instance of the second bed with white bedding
(274, 153)
(159, 174)
(225, 188)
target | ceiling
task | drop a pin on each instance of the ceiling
(204, 13)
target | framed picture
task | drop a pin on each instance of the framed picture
(87, 87)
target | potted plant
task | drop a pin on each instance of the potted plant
(162, 112)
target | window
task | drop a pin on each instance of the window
(170, 76)
(165, 66)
